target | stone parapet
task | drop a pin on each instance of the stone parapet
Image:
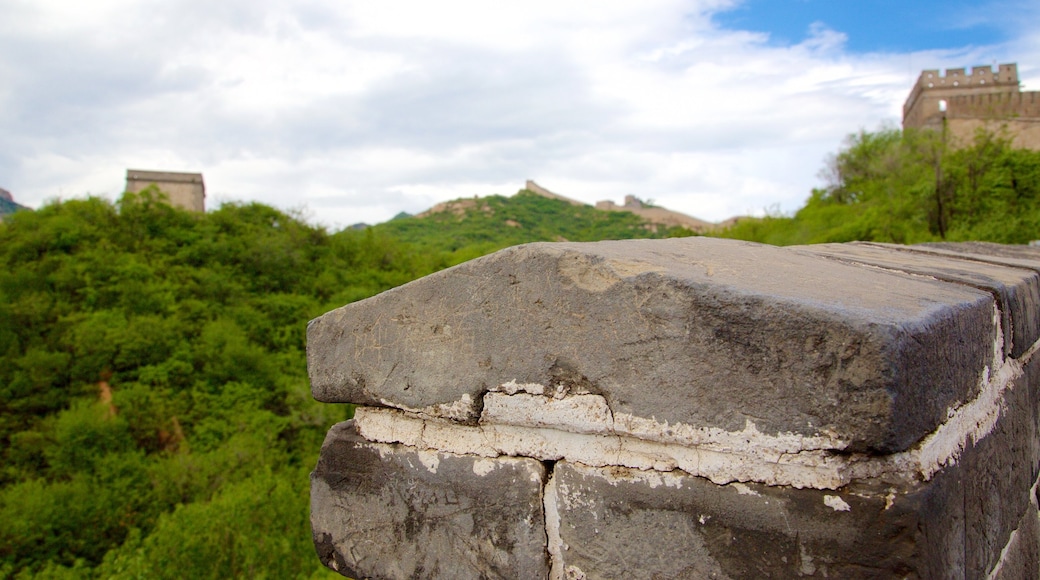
(687, 408)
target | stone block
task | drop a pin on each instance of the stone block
(389, 511)
(1016, 288)
(622, 523)
(689, 408)
(693, 333)
(1028, 254)
(970, 519)
(1021, 559)
(998, 472)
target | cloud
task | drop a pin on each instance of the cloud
(360, 110)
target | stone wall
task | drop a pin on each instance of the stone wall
(533, 187)
(657, 215)
(1015, 114)
(687, 408)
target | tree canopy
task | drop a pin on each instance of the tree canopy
(913, 186)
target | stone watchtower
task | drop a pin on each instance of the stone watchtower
(186, 190)
(966, 102)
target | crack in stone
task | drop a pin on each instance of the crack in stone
(1009, 547)
(536, 435)
(554, 545)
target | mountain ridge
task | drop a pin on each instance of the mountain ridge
(656, 216)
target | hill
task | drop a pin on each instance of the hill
(8, 205)
(467, 228)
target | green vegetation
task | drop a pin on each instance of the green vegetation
(155, 415)
(469, 228)
(891, 186)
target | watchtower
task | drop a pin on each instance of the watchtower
(966, 102)
(186, 190)
(931, 96)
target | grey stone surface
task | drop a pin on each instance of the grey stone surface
(1016, 288)
(1022, 560)
(1026, 253)
(616, 524)
(387, 511)
(975, 517)
(700, 331)
(998, 472)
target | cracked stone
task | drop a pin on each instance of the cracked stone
(699, 332)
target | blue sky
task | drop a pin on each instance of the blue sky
(355, 111)
(880, 25)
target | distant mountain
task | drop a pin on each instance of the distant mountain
(7, 204)
(471, 227)
(656, 216)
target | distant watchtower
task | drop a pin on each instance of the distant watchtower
(186, 190)
(966, 102)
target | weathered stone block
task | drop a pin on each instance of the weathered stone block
(1022, 556)
(1018, 252)
(1016, 288)
(620, 523)
(688, 409)
(965, 521)
(388, 511)
(695, 332)
(998, 471)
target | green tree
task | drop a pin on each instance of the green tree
(910, 187)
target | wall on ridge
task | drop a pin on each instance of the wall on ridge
(687, 408)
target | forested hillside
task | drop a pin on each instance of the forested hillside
(891, 186)
(468, 228)
(155, 415)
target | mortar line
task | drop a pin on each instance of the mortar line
(820, 469)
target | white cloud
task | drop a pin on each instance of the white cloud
(360, 110)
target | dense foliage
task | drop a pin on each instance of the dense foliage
(909, 187)
(155, 416)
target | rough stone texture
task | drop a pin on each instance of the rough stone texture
(998, 472)
(688, 409)
(386, 511)
(1031, 253)
(698, 331)
(1016, 287)
(619, 523)
(1023, 551)
(622, 523)
(975, 518)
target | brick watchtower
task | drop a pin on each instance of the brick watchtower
(966, 102)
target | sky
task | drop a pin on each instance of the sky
(348, 112)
